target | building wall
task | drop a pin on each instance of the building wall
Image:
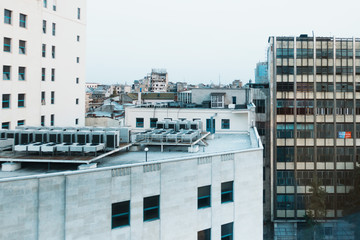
(67, 70)
(202, 94)
(77, 205)
(240, 120)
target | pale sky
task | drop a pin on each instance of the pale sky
(201, 40)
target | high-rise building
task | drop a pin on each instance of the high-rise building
(261, 72)
(42, 62)
(315, 94)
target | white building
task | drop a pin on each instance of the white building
(43, 62)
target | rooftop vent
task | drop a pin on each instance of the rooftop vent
(303, 35)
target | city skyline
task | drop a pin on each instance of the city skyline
(198, 42)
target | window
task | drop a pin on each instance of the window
(78, 13)
(44, 26)
(77, 101)
(53, 74)
(44, 50)
(260, 105)
(5, 125)
(204, 234)
(42, 120)
(204, 197)
(76, 121)
(285, 87)
(7, 16)
(52, 97)
(53, 29)
(21, 122)
(77, 59)
(43, 74)
(6, 101)
(120, 214)
(227, 192)
(7, 44)
(54, 6)
(285, 178)
(153, 122)
(285, 154)
(78, 38)
(217, 100)
(139, 122)
(52, 119)
(22, 21)
(6, 72)
(151, 208)
(227, 231)
(45, 3)
(22, 71)
(225, 123)
(285, 202)
(21, 100)
(42, 98)
(22, 47)
(233, 100)
(285, 130)
(77, 80)
(53, 51)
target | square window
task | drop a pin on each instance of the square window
(44, 26)
(5, 125)
(22, 21)
(225, 123)
(53, 51)
(42, 122)
(151, 208)
(52, 119)
(44, 50)
(21, 122)
(120, 214)
(204, 234)
(153, 122)
(53, 74)
(21, 100)
(227, 192)
(6, 101)
(204, 197)
(22, 47)
(6, 72)
(54, 29)
(43, 74)
(140, 122)
(7, 44)
(7, 16)
(227, 231)
(22, 72)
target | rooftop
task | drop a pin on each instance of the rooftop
(222, 143)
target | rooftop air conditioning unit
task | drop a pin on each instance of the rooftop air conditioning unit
(231, 106)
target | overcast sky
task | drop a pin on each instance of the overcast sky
(201, 40)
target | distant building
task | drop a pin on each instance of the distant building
(42, 63)
(158, 80)
(261, 72)
(92, 85)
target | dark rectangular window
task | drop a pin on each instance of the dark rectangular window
(285, 178)
(153, 122)
(43, 74)
(204, 197)
(120, 214)
(204, 234)
(76, 121)
(304, 70)
(7, 16)
(227, 192)
(43, 98)
(285, 154)
(285, 86)
(53, 74)
(152, 208)
(52, 97)
(284, 53)
(285, 202)
(77, 80)
(325, 154)
(44, 26)
(22, 47)
(7, 44)
(21, 122)
(77, 101)
(52, 119)
(54, 29)
(43, 50)
(225, 123)
(53, 51)
(45, 3)
(77, 59)
(42, 122)
(78, 38)
(227, 231)
(5, 125)
(285, 130)
(6, 72)
(261, 127)
(304, 53)
(233, 100)
(22, 21)
(21, 100)
(284, 70)
(260, 105)
(139, 122)
(78, 13)
(6, 101)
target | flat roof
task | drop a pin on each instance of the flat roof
(221, 144)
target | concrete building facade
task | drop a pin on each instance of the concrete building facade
(42, 62)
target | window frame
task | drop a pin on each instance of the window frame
(22, 49)
(43, 49)
(225, 123)
(6, 101)
(205, 195)
(225, 233)
(54, 29)
(146, 208)
(22, 22)
(7, 45)
(7, 19)
(44, 26)
(52, 98)
(22, 74)
(6, 75)
(21, 101)
(125, 212)
(153, 122)
(204, 234)
(5, 125)
(139, 122)
(226, 190)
